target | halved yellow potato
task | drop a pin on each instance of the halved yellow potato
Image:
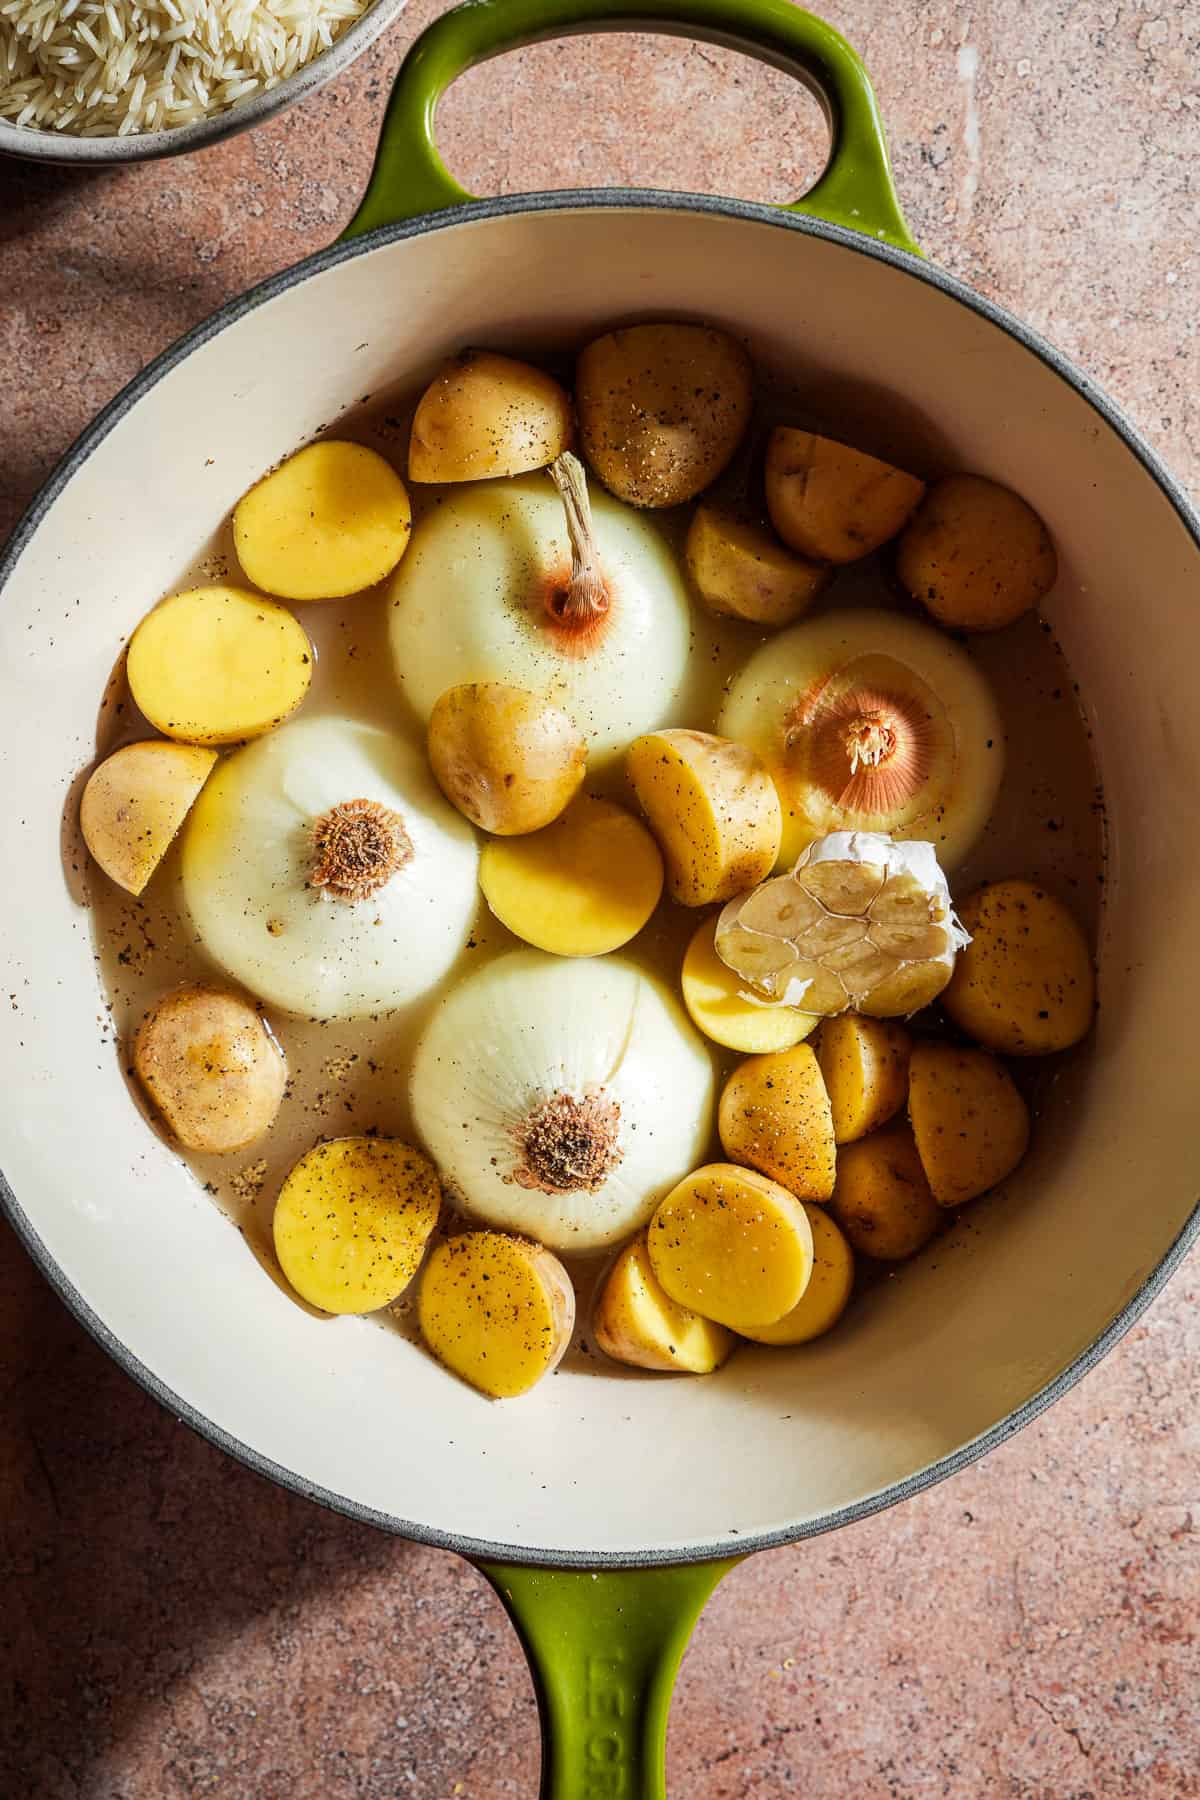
(731, 1245)
(865, 1065)
(882, 1200)
(637, 1322)
(207, 1059)
(713, 995)
(496, 1310)
(831, 502)
(485, 415)
(775, 1115)
(215, 665)
(580, 887)
(742, 571)
(828, 1293)
(330, 521)
(1024, 985)
(135, 802)
(352, 1222)
(970, 1124)
(713, 808)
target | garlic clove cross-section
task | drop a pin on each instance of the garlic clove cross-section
(562, 1100)
(326, 871)
(574, 597)
(861, 924)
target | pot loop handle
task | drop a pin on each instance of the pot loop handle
(410, 179)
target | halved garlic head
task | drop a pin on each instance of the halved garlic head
(326, 872)
(562, 1100)
(871, 722)
(861, 924)
(483, 596)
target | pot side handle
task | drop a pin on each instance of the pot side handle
(409, 178)
(604, 1649)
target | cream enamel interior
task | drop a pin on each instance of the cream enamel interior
(589, 1466)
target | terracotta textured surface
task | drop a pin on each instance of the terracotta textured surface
(171, 1625)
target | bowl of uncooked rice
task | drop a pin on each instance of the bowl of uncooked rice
(123, 80)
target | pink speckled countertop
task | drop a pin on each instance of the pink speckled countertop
(171, 1625)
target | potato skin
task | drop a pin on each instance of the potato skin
(713, 808)
(865, 1066)
(976, 555)
(742, 571)
(970, 1124)
(509, 761)
(212, 1068)
(136, 801)
(831, 502)
(882, 1200)
(1024, 985)
(775, 1115)
(662, 408)
(485, 415)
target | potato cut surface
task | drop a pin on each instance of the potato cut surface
(637, 1322)
(976, 555)
(583, 886)
(135, 802)
(882, 1200)
(713, 995)
(970, 1124)
(207, 1060)
(831, 502)
(865, 1066)
(1024, 985)
(732, 1245)
(713, 808)
(827, 1295)
(496, 1310)
(215, 665)
(775, 1115)
(742, 571)
(330, 521)
(485, 415)
(352, 1222)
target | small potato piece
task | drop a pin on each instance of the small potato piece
(775, 1115)
(352, 1222)
(662, 408)
(827, 1295)
(332, 520)
(216, 665)
(484, 415)
(731, 1246)
(135, 802)
(976, 554)
(212, 1068)
(713, 995)
(742, 571)
(635, 1322)
(865, 1065)
(713, 808)
(508, 760)
(498, 1311)
(970, 1124)
(583, 886)
(882, 1200)
(1024, 985)
(833, 503)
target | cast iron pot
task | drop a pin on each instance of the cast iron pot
(605, 1509)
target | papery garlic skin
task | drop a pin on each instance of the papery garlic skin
(862, 923)
(470, 602)
(248, 860)
(598, 1039)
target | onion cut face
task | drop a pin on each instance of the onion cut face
(326, 872)
(869, 721)
(481, 596)
(562, 1100)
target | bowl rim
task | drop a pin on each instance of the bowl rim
(29, 143)
(731, 1543)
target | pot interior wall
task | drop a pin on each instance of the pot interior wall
(595, 1464)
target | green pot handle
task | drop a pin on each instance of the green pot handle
(604, 1649)
(409, 177)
